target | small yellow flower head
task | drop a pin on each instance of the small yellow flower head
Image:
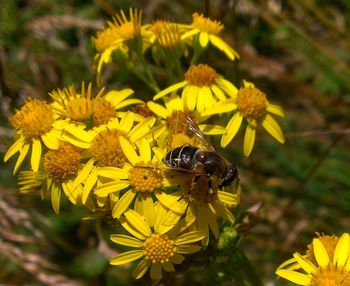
(331, 276)
(105, 148)
(62, 163)
(252, 102)
(206, 25)
(145, 179)
(166, 34)
(103, 112)
(33, 119)
(106, 37)
(129, 28)
(201, 75)
(159, 248)
(328, 241)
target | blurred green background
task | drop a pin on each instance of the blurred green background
(297, 51)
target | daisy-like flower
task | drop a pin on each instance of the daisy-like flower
(251, 104)
(157, 242)
(35, 124)
(84, 107)
(141, 178)
(174, 114)
(107, 144)
(327, 263)
(117, 35)
(205, 31)
(165, 33)
(202, 87)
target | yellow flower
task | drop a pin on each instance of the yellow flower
(202, 87)
(205, 31)
(249, 103)
(157, 242)
(117, 35)
(173, 114)
(35, 124)
(324, 269)
(141, 177)
(165, 33)
(105, 145)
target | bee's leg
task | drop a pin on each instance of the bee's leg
(210, 188)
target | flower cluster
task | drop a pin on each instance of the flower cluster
(107, 151)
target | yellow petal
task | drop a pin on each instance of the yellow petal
(211, 129)
(16, 147)
(304, 263)
(220, 95)
(227, 87)
(138, 222)
(220, 108)
(126, 240)
(111, 187)
(145, 150)
(55, 197)
(190, 33)
(295, 277)
(22, 154)
(341, 253)
(320, 253)
(36, 154)
(170, 89)
(189, 237)
(222, 46)
(232, 129)
(141, 269)
(201, 98)
(129, 102)
(89, 184)
(83, 174)
(203, 39)
(273, 128)
(172, 202)
(117, 96)
(275, 109)
(189, 97)
(227, 198)
(156, 271)
(50, 140)
(188, 249)
(129, 150)
(158, 109)
(113, 173)
(144, 206)
(80, 133)
(123, 204)
(168, 267)
(249, 140)
(127, 257)
(127, 122)
(141, 129)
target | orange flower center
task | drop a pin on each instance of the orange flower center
(206, 25)
(167, 34)
(62, 163)
(159, 248)
(103, 112)
(330, 276)
(329, 242)
(33, 119)
(201, 75)
(145, 179)
(105, 148)
(252, 102)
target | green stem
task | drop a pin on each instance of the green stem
(151, 81)
(248, 269)
(142, 77)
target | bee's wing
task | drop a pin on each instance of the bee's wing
(186, 126)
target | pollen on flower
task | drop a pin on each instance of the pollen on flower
(145, 179)
(103, 112)
(201, 75)
(159, 248)
(33, 119)
(198, 193)
(252, 102)
(329, 242)
(105, 148)
(331, 275)
(62, 163)
(167, 34)
(206, 25)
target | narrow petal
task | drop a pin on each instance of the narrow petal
(320, 253)
(189, 33)
(55, 197)
(126, 240)
(138, 222)
(249, 140)
(203, 39)
(227, 198)
(89, 184)
(232, 129)
(306, 264)
(177, 258)
(36, 154)
(141, 269)
(341, 253)
(123, 204)
(168, 267)
(295, 277)
(213, 225)
(127, 257)
(189, 97)
(113, 173)
(129, 150)
(172, 202)
(227, 87)
(105, 189)
(220, 108)
(144, 206)
(188, 249)
(211, 129)
(224, 47)
(80, 133)
(16, 147)
(170, 89)
(201, 98)
(145, 150)
(189, 237)
(141, 129)
(50, 140)
(158, 109)
(117, 96)
(127, 122)
(275, 109)
(156, 271)
(23, 153)
(83, 174)
(273, 128)
(131, 229)
(129, 102)
(220, 95)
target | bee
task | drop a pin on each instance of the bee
(208, 169)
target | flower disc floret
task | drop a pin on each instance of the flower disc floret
(145, 179)
(62, 163)
(206, 25)
(159, 248)
(106, 150)
(252, 102)
(80, 108)
(33, 119)
(201, 75)
(331, 276)
(103, 112)
(329, 242)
